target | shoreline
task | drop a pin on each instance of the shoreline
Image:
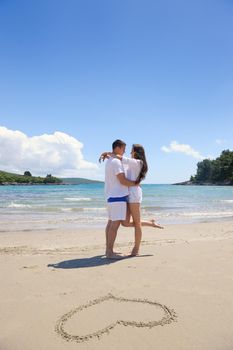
(101, 225)
(58, 290)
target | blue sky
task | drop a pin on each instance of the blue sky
(158, 73)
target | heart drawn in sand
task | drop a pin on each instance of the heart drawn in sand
(167, 316)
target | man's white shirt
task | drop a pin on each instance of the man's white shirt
(113, 187)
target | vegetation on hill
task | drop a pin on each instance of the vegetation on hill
(215, 172)
(7, 178)
(78, 181)
(27, 179)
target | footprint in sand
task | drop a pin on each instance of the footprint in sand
(90, 320)
(29, 267)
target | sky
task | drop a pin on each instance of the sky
(75, 75)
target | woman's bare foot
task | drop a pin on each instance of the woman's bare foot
(155, 224)
(135, 252)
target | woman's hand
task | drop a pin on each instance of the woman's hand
(104, 155)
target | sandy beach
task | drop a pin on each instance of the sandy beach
(58, 291)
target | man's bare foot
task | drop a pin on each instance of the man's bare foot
(155, 224)
(114, 256)
(110, 253)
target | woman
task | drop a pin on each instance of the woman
(135, 170)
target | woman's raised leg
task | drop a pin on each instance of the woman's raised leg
(151, 223)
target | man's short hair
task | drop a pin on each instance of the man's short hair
(118, 143)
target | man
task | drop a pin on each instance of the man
(116, 192)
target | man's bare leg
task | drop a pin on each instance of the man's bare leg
(111, 237)
(106, 234)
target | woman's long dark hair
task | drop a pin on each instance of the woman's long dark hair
(139, 153)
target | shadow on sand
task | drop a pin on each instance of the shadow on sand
(93, 261)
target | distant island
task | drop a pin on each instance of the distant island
(7, 178)
(213, 172)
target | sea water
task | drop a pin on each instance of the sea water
(69, 206)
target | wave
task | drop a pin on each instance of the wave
(78, 199)
(18, 205)
(151, 207)
(205, 214)
(83, 209)
(159, 208)
(94, 209)
(67, 209)
(227, 200)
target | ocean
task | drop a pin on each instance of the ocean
(38, 207)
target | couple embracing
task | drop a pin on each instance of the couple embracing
(124, 194)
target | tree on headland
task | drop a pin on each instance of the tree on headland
(49, 179)
(27, 173)
(217, 171)
(204, 170)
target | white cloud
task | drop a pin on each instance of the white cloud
(182, 148)
(220, 141)
(58, 154)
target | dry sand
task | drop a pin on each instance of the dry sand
(59, 292)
